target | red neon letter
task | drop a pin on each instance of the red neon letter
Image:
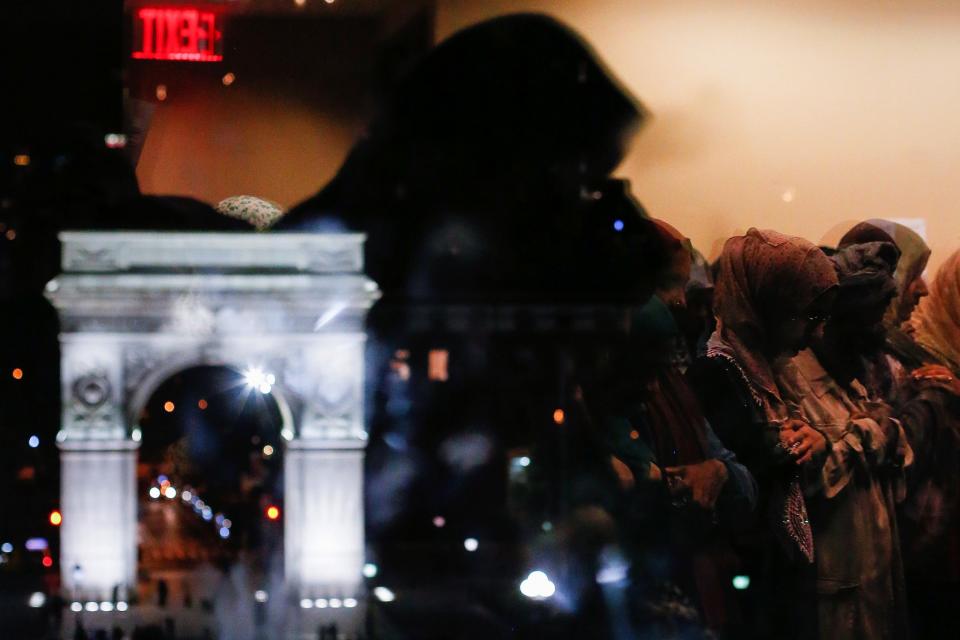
(188, 32)
(147, 17)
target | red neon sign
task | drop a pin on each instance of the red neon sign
(177, 34)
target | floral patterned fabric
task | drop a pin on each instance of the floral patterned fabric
(260, 213)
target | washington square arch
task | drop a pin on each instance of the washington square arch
(136, 308)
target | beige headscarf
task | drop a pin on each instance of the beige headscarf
(766, 275)
(936, 322)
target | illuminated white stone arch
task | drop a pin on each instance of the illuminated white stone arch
(135, 308)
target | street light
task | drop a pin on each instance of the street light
(537, 586)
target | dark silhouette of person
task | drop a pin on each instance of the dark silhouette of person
(487, 168)
(485, 179)
(163, 591)
(79, 633)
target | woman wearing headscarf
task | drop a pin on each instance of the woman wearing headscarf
(859, 584)
(890, 366)
(936, 324)
(772, 292)
(681, 484)
(930, 517)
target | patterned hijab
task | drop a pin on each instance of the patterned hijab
(936, 322)
(767, 277)
(764, 277)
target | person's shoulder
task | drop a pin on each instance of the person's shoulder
(707, 369)
(716, 379)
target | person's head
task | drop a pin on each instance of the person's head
(653, 334)
(696, 318)
(792, 333)
(936, 323)
(670, 281)
(914, 255)
(866, 287)
(773, 292)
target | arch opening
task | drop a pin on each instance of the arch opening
(209, 497)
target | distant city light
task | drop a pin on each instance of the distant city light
(121, 606)
(92, 606)
(437, 361)
(335, 603)
(227, 523)
(106, 606)
(76, 607)
(21, 160)
(228, 79)
(439, 522)
(350, 603)
(383, 594)
(614, 568)
(741, 582)
(547, 526)
(273, 512)
(537, 586)
(558, 416)
(168, 406)
(34, 442)
(154, 492)
(161, 92)
(136, 435)
(162, 479)
(56, 518)
(170, 493)
(202, 403)
(224, 532)
(115, 140)
(206, 513)
(618, 225)
(524, 461)
(471, 544)
(37, 600)
(370, 570)
(321, 603)
(299, 3)
(186, 495)
(261, 595)
(306, 603)
(36, 544)
(17, 374)
(47, 561)
(6, 547)
(267, 450)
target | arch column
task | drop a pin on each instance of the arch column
(98, 471)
